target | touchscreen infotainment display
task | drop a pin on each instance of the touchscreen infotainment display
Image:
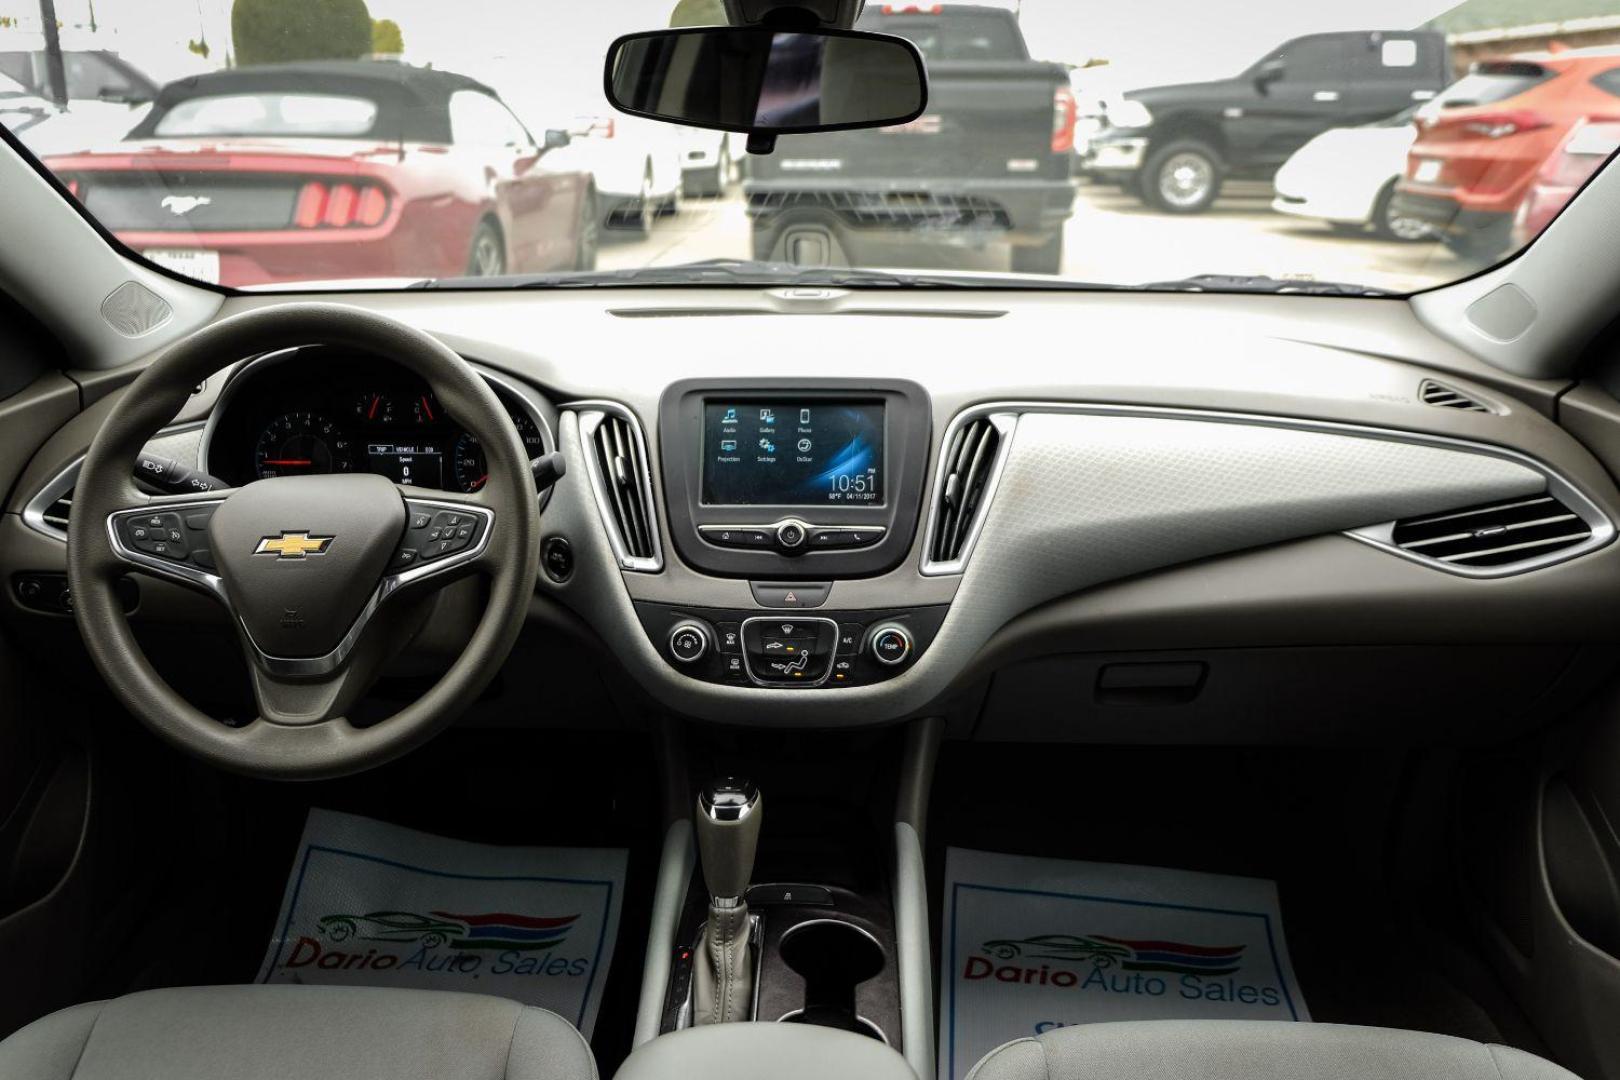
(792, 453)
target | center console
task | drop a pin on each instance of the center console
(793, 486)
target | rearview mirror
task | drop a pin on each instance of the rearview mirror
(768, 82)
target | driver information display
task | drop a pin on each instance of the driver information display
(792, 454)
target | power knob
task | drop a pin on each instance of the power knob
(688, 642)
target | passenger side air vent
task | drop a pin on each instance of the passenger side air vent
(1495, 535)
(968, 469)
(623, 485)
(1444, 397)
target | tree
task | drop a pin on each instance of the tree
(386, 38)
(278, 31)
(699, 13)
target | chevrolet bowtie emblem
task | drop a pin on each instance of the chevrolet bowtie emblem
(293, 545)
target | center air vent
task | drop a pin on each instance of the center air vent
(1444, 397)
(623, 485)
(968, 469)
(1495, 535)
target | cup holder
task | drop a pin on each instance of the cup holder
(833, 958)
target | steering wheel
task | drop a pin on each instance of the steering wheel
(311, 569)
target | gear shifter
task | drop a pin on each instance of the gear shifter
(729, 811)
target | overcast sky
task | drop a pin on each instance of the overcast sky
(546, 56)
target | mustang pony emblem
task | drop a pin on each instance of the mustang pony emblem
(180, 205)
(293, 545)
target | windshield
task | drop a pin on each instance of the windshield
(1369, 149)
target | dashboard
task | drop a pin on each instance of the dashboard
(316, 411)
(879, 517)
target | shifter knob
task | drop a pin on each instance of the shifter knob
(729, 811)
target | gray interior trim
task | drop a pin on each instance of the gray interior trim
(1006, 414)
(675, 865)
(591, 415)
(911, 938)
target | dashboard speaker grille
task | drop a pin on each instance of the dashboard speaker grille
(621, 463)
(970, 462)
(1496, 534)
(1444, 397)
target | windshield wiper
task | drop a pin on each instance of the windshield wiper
(747, 272)
(1259, 283)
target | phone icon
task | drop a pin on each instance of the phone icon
(804, 416)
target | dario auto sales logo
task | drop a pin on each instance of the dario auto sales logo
(1102, 964)
(495, 943)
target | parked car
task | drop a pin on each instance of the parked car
(1583, 152)
(1480, 146)
(337, 170)
(1347, 176)
(1176, 145)
(709, 161)
(994, 147)
(636, 165)
(106, 96)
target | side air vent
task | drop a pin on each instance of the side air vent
(969, 467)
(1444, 397)
(1495, 535)
(56, 514)
(623, 485)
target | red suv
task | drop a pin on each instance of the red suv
(1482, 141)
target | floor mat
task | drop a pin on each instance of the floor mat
(1034, 944)
(373, 904)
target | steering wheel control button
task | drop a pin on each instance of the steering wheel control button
(557, 557)
(435, 535)
(789, 652)
(688, 643)
(786, 597)
(791, 535)
(405, 558)
(891, 645)
(163, 535)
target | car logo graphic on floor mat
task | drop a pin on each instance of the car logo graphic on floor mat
(1105, 952)
(492, 931)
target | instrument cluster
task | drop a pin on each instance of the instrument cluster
(318, 412)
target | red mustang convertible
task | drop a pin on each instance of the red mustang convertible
(337, 171)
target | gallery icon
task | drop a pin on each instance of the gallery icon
(767, 416)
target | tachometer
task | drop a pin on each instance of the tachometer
(302, 444)
(470, 470)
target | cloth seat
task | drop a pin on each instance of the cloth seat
(298, 1033)
(1255, 1050)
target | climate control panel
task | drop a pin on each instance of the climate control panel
(788, 650)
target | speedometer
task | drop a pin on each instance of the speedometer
(302, 444)
(471, 471)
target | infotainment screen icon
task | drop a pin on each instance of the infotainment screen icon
(786, 453)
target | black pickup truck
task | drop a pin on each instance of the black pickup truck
(1175, 145)
(991, 161)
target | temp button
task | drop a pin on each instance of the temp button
(891, 645)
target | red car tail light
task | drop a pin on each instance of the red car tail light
(339, 206)
(1065, 114)
(1501, 125)
(913, 9)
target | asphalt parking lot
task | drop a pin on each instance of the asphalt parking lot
(1114, 239)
